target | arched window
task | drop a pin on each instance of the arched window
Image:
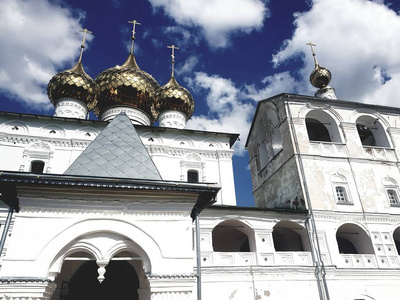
(37, 166)
(341, 189)
(290, 236)
(341, 196)
(371, 132)
(193, 176)
(392, 196)
(321, 127)
(232, 236)
(391, 189)
(352, 239)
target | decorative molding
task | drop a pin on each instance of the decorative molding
(179, 152)
(137, 116)
(59, 142)
(393, 130)
(70, 108)
(172, 119)
(104, 212)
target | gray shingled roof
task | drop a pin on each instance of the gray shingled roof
(116, 152)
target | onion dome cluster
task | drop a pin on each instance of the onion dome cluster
(73, 83)
(126, 85)
(124, 88)
(172, 96)
(121, 86)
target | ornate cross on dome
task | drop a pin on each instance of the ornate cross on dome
(173, 47)
(85, 31)
(134, 22)
(313, 53)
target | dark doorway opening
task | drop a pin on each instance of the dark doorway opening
(121, 282)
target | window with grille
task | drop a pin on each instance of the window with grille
(192, 176)
(393, 199)
(341, 195)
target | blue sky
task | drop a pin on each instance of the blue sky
(233, 53)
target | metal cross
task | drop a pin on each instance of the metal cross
(85, 31)
(173, 47)
(312, 50)
(134, 22)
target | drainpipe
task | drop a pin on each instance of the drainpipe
(198, 255)
(205, 200)
(320, 268)
(6, 228)
(8, 195)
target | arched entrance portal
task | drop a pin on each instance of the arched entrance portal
(121, 282)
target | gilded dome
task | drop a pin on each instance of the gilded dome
(173, 96)
(73, 83)
(126, 85)
(320, 77)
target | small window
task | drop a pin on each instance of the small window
(393, 199)
(341, 196)
(192, 176)
(37, 166)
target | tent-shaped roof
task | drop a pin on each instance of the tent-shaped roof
(116, 152)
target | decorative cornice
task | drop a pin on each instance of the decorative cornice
(171, 276)
(181, 152)
(59, 142)
(112, 213)
(356, 217)
(24, 280)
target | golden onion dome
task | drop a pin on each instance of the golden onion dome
(126, 85)
(73, 83)
(173, 96)
(320, 77)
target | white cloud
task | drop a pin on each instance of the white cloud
(357, 40)
(273, 85)
(228, 110)
(218, 19)
(188, 65)
(37, 38)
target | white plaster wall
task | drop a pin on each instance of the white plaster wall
(173, 151)
(44, 232)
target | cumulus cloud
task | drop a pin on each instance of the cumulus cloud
(273, 85)
(218, 19)
(37, 38)
(357, 40)
(231, 106)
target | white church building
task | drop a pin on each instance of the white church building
(120, 209)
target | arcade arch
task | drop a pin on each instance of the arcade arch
(290, 236)
(352, 239)
(233, 236)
